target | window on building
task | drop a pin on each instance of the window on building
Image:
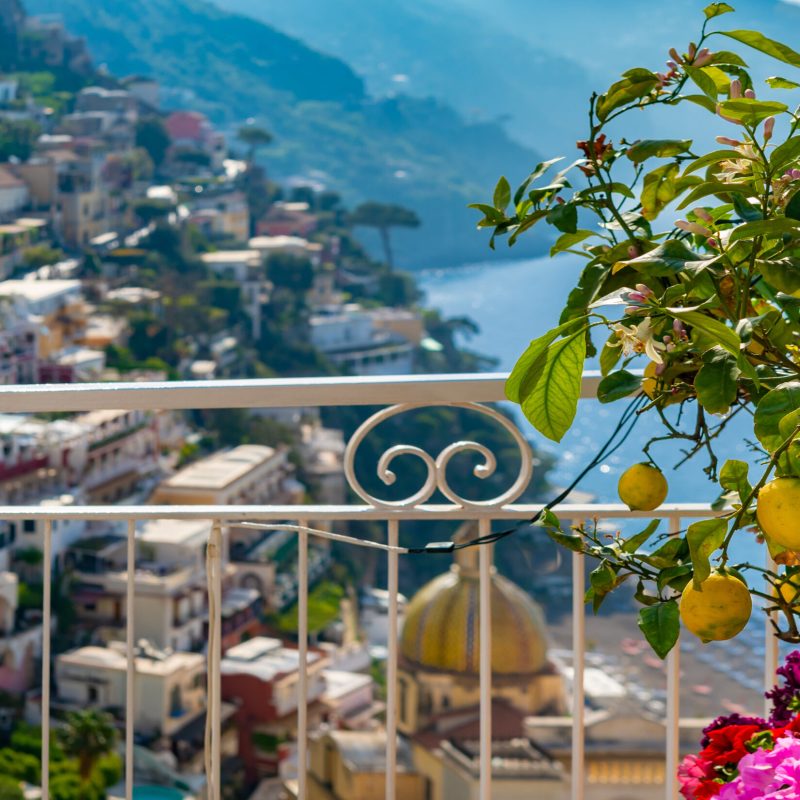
(93, 694)
(29, 526)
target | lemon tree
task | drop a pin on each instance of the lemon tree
(708, 304)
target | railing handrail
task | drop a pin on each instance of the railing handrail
(379, 390)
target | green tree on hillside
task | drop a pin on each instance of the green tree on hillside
(383, 217)
(88, 736)
(10, 789)
(152, 136)
(255, 138)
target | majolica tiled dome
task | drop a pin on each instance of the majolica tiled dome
(441, 629)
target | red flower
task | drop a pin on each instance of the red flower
(791, 728)
(727, 745)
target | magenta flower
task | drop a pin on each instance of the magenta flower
(692, 772)
(767, 774)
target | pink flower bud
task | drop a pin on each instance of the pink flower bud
(660, 368)
(735, 89)
(670, 347)
(672, 65)
(679, 328)
(692, 227)
(633, 251)
(750, 94)
(666, 339)
(769, 127)
(692, 50)
(795, 174)
(636, 297)
(728, 140)
(675, 57)
(703, 214)
(712, 242)
(645, 290)
(633, 310)
(703, 57)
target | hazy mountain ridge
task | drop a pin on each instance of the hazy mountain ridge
(417, 152)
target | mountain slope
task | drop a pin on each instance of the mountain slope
(444, 49)
(417, 152)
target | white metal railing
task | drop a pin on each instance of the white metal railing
(410, 392)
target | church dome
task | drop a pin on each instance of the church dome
(442, 627)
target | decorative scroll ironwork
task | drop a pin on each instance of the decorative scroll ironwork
(436, 477)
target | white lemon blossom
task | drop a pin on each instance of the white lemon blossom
(638, 339)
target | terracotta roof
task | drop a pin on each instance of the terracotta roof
(626, 771)
(8, 180)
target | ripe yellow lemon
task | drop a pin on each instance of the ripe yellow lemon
(719, 609)
(778, 512)
(650, 382)
(642, 487)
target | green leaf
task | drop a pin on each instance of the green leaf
(716, 9)
(716, 382)
(713, 188)
(584, 293)
(727, 57)
(529, 365)
(786, 428)
(568, 540)
(657, 148)
(538, 171)
(751, 111)
(674, 577)
(771, 409)
(704, 81)
(618, 385)
(564, 216)
(771, 47)
(569, 240)
(746, 208)
(609, 355)
(785, 154)
(527, 223)
(635, 84)
(637, 540)
(659, 189)
(792, 210)
(552, 404)
(660, 625)
(770, 228)
(669, 258)
(708, 159)
(733, 477)
(502, 194)
(781, 273)
(614, 188)
(669, 554)
(493, 216)
(715, 329)
(781, 83)
(704, 538)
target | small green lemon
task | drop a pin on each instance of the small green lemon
(642, 487)
(717, 610)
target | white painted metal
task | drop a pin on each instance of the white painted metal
(392, 560)
(436, 477)
(770, 644)
(271, 393)
(47, 606)
(432, 511)
(130, 677)
(578, 698)
(485, 666)
(302, 653)
(213, 733)
(673, 703)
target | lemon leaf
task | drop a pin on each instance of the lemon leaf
(660, 625)
(704, 538)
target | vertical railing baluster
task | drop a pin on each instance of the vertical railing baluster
(578, 699)
(47, 580)
(302, 655)
(771, 654)
(216, 659)
(391, 663)
(485, 605)
(673, 702)
(130, 676)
